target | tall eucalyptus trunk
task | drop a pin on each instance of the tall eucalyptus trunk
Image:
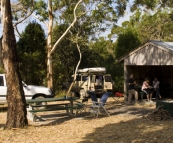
(1, 64)
(49, 47)
(16, 112)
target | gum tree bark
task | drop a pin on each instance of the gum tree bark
(49, 41)
(49, 47)
(1, 53)
(16, 113)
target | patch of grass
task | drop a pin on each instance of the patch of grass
(61, 93)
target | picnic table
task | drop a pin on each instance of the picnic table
(35, 105)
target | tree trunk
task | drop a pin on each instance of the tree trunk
(49, 47)
(49, 41)
(49, 71)
(16, 113)
(1, 64)
(80, 54)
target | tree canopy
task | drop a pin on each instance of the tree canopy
(150, 20)
(32, 54)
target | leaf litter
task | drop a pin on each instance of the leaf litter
(125, 125)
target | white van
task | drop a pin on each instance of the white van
(96, 78)
(30, 91)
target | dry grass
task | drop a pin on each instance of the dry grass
(125, 125)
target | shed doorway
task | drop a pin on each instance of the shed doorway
(163, 73)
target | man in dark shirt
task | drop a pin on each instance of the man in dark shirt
(131, 89)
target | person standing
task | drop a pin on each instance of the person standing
(131, 89)
(147, 89)
(156, 84)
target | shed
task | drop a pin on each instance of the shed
(152, 59)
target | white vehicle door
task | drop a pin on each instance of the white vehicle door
(92, 82)
(76, 86)
(3, 90)
(107, 81)
(84, 82)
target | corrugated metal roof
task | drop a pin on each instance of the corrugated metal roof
(168, 45)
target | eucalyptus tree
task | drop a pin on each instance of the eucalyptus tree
(128, 38)
(157, 18)
(1, 62)
(157, 26)
(102, 14)
(152, 4)
(68, 56)
(149, 26)
(16, 112)
(18, 16)
(103, 54)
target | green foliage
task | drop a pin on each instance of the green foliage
(119, 83)
(32, 54)
(92, 16)
(142, 28)
(65, 57)
(102, 53)
(94, 54)
(41, 9)
(60, 93)
(126, 42)
(157, 26)
(1, 70)
(151, 4)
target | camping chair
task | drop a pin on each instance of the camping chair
(96, 106)
(117, 96)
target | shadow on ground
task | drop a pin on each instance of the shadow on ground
(113, 107)
(132, 131)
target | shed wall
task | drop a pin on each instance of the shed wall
(150, 55)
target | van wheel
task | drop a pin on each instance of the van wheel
(82, 94)
(40, 104)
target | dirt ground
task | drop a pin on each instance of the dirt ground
(126, 124)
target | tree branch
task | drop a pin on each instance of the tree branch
(23, 19)
(16, 3)
(29, 14)
(78, 47)
(71, 25)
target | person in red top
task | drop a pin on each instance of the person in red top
(147, 89)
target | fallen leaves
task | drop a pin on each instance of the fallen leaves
(122, 126)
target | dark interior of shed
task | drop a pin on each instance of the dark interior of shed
(163, 73)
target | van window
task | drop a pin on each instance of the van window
(78, 78)
(99, 78)
(108, 79)
(1, 81)
(84, 78)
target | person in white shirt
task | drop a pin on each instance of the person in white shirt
(146, 88)
(156, 84)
